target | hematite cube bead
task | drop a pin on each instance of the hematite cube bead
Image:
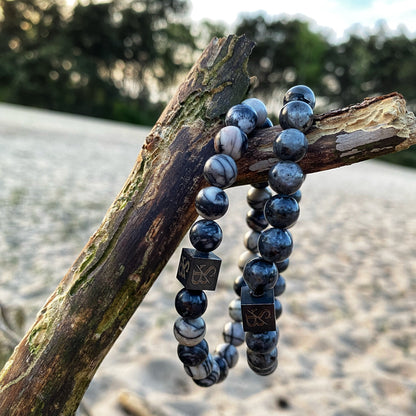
(258, 312)
(198, 270)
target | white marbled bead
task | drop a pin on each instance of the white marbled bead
(234, 310)
(233, 333)
(200, 371)
(228, 352)
(232, 141)
(211, 379)
(260, 109)
(189, 332)
(220, 170)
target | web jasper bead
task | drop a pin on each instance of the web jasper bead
(191, 304)
(233, 333)
(211, 203)
(280, 285)
(193, 355)
(286, 177)
(202, 370)
(296, 115)
(256, 220)
(212, 378)
(223, 366)
(300, 93)
(220, 170)
(281, 211)
(234, 310)
(290, 144)
(257, 198)
(260, 275)
(262, 364)
(275, 245)
(228, 352)
(189, 332)
(262, 342)
(259, 108)
(232, 141)
(242, 116)
(205, 235)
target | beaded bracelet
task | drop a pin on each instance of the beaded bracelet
(269, 244)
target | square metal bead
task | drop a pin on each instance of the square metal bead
(197, 270)
(258, 311)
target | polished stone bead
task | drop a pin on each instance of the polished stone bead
(262, 364)
(257, 198)
(258, 311)
(220, 170)
(296, 115)
(211, 203)
(278, 309)
(259, 108)
(198, 270)
(191, 304)
(234, 310)
(189, 332)
(281, 211)
(275, 245)
(250, 240)
(290, 144)
(242, 116)
(233, 333)
(231, 141)
(286, 177)
(267, 123)
(193, 355)
(260, 275)
(280, 285)
(256, 220)
(200, 371)
(205, 235)
(263, 342)
(282, 265)
(212, 378)
(297, 195)
(245, 257)
(238, 284)
(300, 93)
(228, 352)
(223, 366)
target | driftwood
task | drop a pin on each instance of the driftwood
(52, 366)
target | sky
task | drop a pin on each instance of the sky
(336, 15)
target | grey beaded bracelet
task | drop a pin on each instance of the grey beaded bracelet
(269, 243)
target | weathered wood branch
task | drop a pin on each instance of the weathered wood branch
(52, 366)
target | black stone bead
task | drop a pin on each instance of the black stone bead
(275, 245)
(257, 198)
(297, 195)
(286, 177)
(194, 355)
(278, 309)
(262, 364)
(300, 93)
(290, 144)
(211, 203)
(282, 265)
(256, 220)
(242, 116)
(260, 275)
(205, 235)
(223, 366)
(191, 303)
(245, 257)
(268, 123)
(280, 285)
(229, 353)
(296, 115)
(260, 185)
(262, 342)
(281, 211)
(238, 284)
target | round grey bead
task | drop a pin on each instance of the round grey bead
(228, 352)
(300, 93)
(195, 355)
(211, 203)
(205, 235)
(281, 211)
(234, 310)
(275, 245)
(250, 240)
(200, 371)
(212, 378)
(242, 116)
(297, 115)
(232, 141)
(259, 108)
(290, 144)
(286, 177)
(257, 197)
(262, 364)
(245, 257)
(189, 332)
(220, 170)
(260, 275)
(263, 342)
(233, 333)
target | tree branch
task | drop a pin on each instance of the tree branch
(52, 366)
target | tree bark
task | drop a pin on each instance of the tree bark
(52, 366)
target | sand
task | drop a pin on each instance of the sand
(348, 330)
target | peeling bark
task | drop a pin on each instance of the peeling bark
(54, 363)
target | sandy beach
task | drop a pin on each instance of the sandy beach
(348, 330)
